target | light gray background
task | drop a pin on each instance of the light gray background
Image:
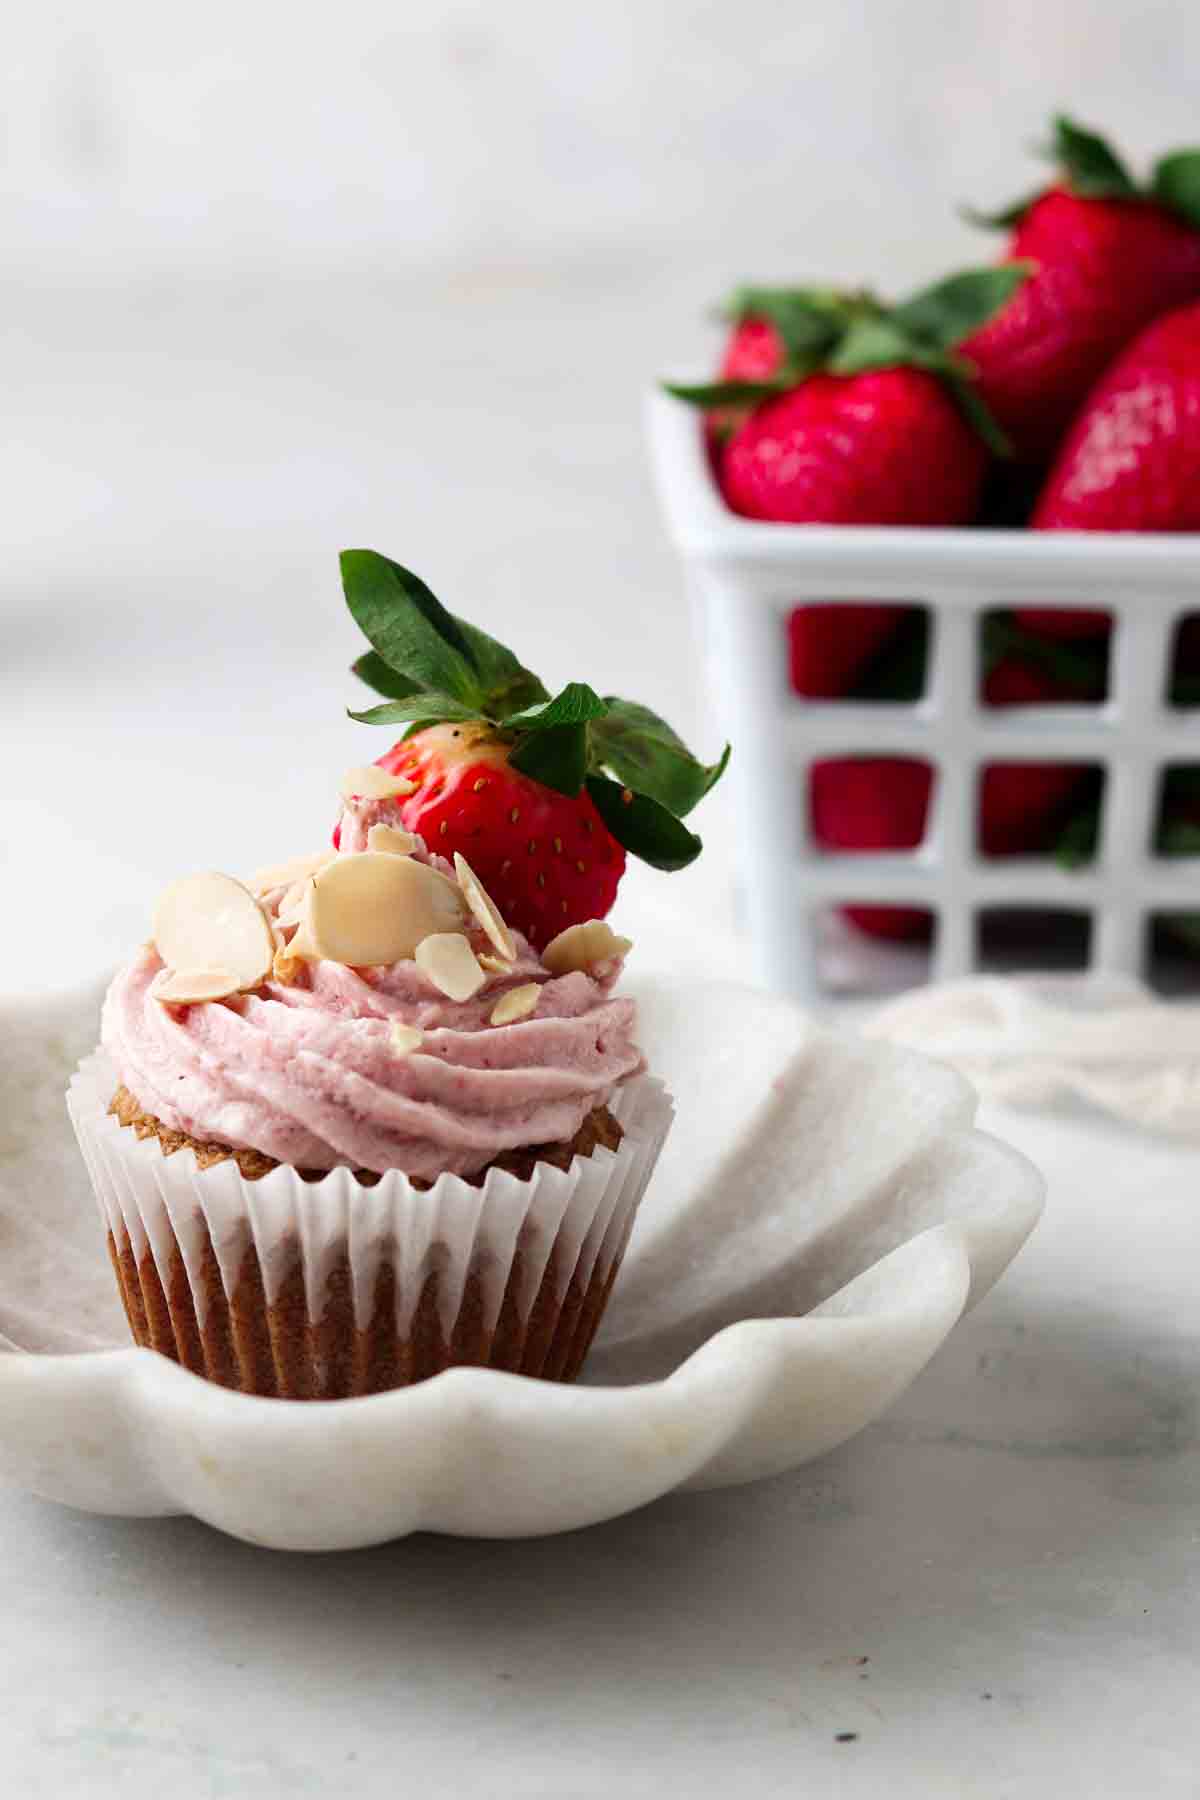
(532, 134)
(272, 286)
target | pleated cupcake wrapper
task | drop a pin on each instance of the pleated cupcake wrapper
(579, 1217)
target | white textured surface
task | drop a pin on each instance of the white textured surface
(800, 1269)
(1013, 1550)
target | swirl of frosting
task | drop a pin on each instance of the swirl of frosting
(309, 1073)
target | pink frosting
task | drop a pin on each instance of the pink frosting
(308, 1074)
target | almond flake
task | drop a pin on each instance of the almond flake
(189, 987)
(405, 1038)
(495, 965)
(287, 965)
(374, 783)
(387, 837)
(484, 908)
(372, 907)
(301, 947)
(292, 903)
(579, 946)
(213, 922)
(449, 961)
(518, 1003)
(286, 874)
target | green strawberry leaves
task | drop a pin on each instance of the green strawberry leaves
(407, 626)
(372, 669)
(507, 685)
(555, 750)
(644, 754)
(433, 668)
(869, 342)
(808, 320)
(414, 636)
(1091, 168)
(1176, 183)
(1001, 218)
(557, 757)
(1091, 165)
(853, 333)
(949, 311)
(417, 709)
(575, 705)
(712, 394)
(646, 829)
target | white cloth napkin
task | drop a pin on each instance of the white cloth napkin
(1032, 1041)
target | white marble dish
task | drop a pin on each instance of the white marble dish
(822, 1214)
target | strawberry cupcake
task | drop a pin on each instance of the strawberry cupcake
(348, 1126)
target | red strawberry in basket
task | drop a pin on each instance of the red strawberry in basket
(542, 796)
(862, 416)
(1108, 257)
(858, 413)
(755, 351)
(1131, 461)
(884, 447)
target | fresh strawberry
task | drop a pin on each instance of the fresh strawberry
(1131, 461)
(542, 796)
(546, 859)
(886, 447)
(854, 413)
(1108, 257)
(754, 352)
(862, 419)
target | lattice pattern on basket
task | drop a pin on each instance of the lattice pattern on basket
(746, 578)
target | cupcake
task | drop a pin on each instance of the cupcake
(351, 1122)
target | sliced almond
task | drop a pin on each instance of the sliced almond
(579, 946)
(287, 964)
(406, 1038)
(374, 783)
(495, 965)
(372, 907)
(188, 987)
(389, 839)
(300, 946)
(450, 963)
(213, 922)
(484, 908)
(293, 902)
(518, 1003)
(288, 873)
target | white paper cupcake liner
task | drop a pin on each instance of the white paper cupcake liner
(280, 1285)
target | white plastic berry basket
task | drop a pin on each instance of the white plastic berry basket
(746, 578)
